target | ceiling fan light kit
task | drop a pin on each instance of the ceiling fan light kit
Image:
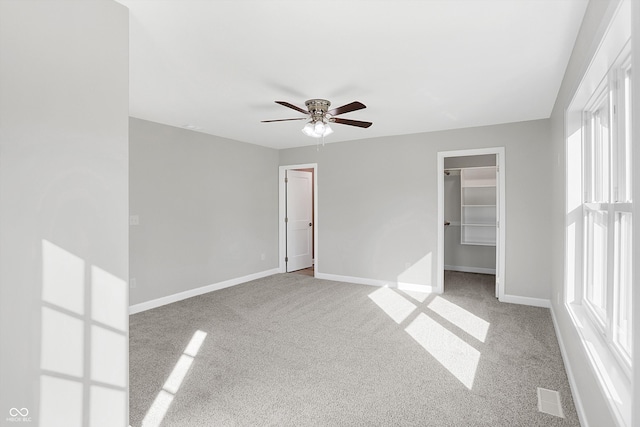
(319, 116)
(317, 129)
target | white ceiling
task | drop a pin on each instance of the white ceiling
(419, 66)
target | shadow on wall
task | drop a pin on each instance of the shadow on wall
(83, 324)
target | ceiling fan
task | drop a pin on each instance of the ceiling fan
(319, 116)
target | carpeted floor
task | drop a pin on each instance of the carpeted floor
(292, 350)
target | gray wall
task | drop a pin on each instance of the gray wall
(63, 212)
(587, 391)
(207, 206)
(377, 203)
(457, 255)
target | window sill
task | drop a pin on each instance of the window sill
(614, 383)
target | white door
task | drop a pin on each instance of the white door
(498, 248)
(299, 220)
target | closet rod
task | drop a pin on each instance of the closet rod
(448, 171)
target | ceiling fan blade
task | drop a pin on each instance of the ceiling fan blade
(283, 120)
(351, 122)
(354, 106)
(286, 104)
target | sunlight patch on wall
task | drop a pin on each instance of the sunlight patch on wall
(62, 278)
(468, 322)
(106, 407)
(60, 399)
(104, 366)
(108, 294)
(458, 357)
(419, 273)
(79, 330)
(396, 307)
(62, 343)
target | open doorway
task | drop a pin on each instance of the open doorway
(298, 228)
(471, 213)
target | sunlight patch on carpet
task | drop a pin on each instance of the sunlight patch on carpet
(396, 307)
(458, 357)
(163, 400)
(468, 322)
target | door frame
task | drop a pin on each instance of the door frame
(282, 239)
(500, 243)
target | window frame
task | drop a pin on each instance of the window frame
(612, 380)
(606, 178)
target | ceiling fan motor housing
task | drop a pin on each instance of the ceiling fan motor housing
(318, 108)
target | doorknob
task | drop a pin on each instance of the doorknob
(310, 224)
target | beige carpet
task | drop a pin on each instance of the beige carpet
(292, 350)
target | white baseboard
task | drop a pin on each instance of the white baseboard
(577, 401)
(535, 302)
(375, 282)
(414, 287)
(148, 305)
(351, 279)
(514, 299)
(463, 269)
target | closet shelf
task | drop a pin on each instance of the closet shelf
(478, 206)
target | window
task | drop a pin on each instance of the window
(598, 215)
(622, 234)
(606, 206)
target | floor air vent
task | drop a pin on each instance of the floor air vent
(549, 402)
